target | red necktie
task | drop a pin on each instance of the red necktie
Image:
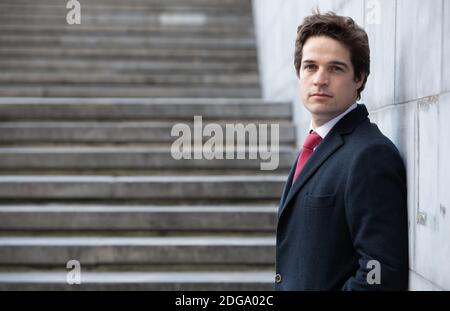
(311, 142)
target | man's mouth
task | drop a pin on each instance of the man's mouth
(321, 95)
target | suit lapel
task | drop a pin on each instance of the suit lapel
(325, 149)
(332, 142)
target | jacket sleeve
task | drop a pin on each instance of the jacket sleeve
(376, 212)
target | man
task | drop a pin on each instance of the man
(342, 221)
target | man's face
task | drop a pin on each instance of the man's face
(327, 82)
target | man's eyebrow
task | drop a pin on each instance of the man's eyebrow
(335, 62)
(338, 63)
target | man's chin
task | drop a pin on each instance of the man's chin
(319, 107)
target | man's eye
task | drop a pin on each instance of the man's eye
(335, 68)
(309, 67)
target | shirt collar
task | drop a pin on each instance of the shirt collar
(324, 129)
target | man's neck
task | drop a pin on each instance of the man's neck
(329, 123)
(318, 121)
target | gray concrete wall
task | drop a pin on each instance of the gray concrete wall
(407, 94)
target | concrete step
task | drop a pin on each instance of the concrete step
(191, 3)
(200, 29)
(237, 80)
(93, 5)
(136, 250)
(150, 2)
(65, 132)
(110, 54)
(125, 8)
(142, 108)
(49, 65)
(126, 91)
(174, 19)
(129, 41)
(121, 172)
(85, 158)
(258, 187)
(83, 217)
(170, 281)
(193, 200)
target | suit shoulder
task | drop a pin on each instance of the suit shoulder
(367, 138)
(368, 135)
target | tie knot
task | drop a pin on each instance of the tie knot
(312, 140)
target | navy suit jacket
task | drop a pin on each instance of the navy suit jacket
(346, 208)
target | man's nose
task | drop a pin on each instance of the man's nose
(321, 77)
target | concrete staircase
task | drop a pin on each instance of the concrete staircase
(137, 48)
(86, 171)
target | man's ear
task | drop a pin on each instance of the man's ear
(360, 80)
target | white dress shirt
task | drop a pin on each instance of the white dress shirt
(324, 129)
